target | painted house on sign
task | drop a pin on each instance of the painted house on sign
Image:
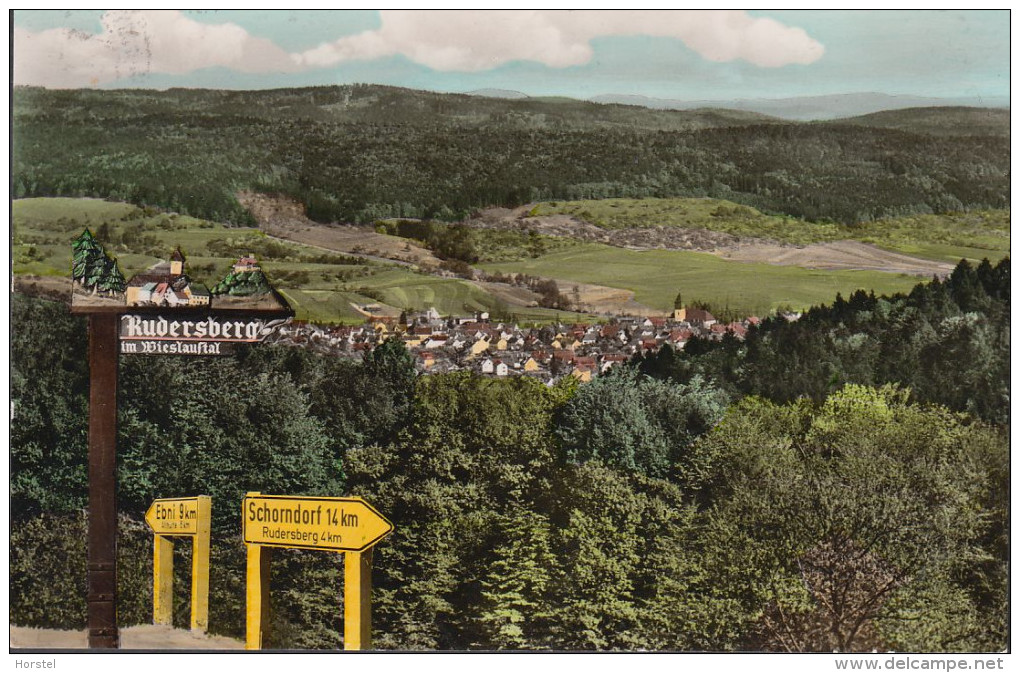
(166, 284)
(246, 264)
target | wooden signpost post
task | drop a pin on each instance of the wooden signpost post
(348, 525)
(101, 583)
(157, 312)
(188, 517)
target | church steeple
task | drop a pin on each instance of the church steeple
(177, 262)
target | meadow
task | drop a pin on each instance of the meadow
(655, 277)
(948, 237)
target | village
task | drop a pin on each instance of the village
(443, 344)
(437, 343)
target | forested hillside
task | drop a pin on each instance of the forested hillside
(946, 121)
(359, 153)
(713, 499)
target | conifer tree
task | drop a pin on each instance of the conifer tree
(92, 267)
(86, 252)
(112, 279)
(513, 596)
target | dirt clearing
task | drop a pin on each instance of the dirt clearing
(145, 637)
(604, 300)
(585, 297)
(285, 218)
(839, 255)
(568, 226)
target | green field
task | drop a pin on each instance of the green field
(396, 287)
(949, 237)
(325, 306)
(655, 277)
(948, 253)
(404, 289)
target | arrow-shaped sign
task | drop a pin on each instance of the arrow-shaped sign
(309, 522)
(174, 516)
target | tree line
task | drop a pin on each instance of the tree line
(653, 508)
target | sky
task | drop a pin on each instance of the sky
(669, 54)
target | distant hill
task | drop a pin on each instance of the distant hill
(376, 104)
(808, 108)
(360, 153)
(945, 121)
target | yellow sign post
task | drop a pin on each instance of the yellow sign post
(189, 517)
(348, 525)
(358, 600)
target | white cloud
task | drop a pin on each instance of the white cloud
(480, 40)
(165, 41)
(136, 43)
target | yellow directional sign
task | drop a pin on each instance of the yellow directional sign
(191, 517)
(309, 522)
(173, 516)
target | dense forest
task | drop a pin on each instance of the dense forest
(839, 483)
(363, 152)
(947, 341)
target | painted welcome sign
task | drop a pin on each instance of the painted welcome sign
(163, 311)
(176, 335)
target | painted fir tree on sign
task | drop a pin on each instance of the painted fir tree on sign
(94, 273)
(246, 287)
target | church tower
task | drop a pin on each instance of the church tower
(177, 262)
